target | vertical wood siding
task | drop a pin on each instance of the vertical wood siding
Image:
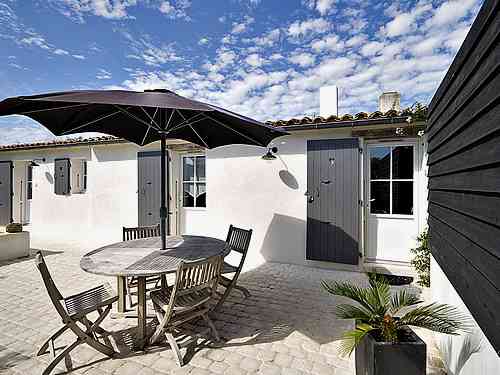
(464, 172)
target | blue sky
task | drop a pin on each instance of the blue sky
(266, 59)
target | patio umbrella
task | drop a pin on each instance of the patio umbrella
(142, 118)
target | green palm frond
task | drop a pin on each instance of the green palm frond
(345, 311)
(437, 317)
(402, 299)
(378, 296)
(351, 339)
(345, 289)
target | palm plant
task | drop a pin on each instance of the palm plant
(386, 315)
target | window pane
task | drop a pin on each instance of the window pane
(402, 162)
(201, 199)
(188, 169)
(200, 168)
(188, 195)
(380, 162)
(380, 197)
(402, 197)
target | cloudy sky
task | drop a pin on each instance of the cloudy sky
(266, 59)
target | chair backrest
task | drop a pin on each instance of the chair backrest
(239, 239)
(54, 294)
(136, 233)
(196, 277)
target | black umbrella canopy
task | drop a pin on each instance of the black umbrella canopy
(142, 118)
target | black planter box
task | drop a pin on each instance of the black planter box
(385, 358)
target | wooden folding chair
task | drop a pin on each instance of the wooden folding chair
(73, 311)
(188, 299)
(136, 233)
(239, 241)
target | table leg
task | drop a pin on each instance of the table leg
(141, 311)
(121, 286)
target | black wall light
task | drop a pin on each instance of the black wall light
(34, 163)
(270, 154)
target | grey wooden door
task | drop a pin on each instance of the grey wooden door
(333, 200)
(5, 192)
(149, 187)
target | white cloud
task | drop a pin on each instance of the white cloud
(324, 6)
(371, 48)
(240, 27)
(356, 40)
(176, 9)
(103, 74)
(224, 59)
(451, 11)
(330, 42)
(302, 59)
(308, 27)
(110, 9)
(404, 23)
(79, 57)
(61, 52)
(254, 60)
(203, 41)
(267, 40)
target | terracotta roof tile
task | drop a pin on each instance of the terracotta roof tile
(63, 142)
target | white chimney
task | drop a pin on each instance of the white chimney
(389, 100)
(328, 101)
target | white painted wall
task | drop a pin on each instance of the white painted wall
(242, 189)
(484, 362)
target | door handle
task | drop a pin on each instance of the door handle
(326, 182)
(325, 222)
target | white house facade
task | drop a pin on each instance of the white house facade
(368, 172)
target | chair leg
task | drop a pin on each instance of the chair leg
(61, 356)
(243, 290)
(173, 344)
(223, 298)
(45, 345)
(129, 293)
(160, 316)
(212, 327)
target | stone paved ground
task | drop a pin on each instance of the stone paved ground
(287, 326)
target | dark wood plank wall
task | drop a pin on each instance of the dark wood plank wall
(463, 132)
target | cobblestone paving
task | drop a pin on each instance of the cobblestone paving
(287, 326)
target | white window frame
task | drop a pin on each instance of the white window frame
(391, 145)
(195, 181)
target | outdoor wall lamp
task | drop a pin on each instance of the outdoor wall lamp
(269, 154)
(34, 163)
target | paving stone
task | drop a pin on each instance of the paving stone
(287, 326)
(249, 364)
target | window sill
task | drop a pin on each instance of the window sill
(194, 208)
(393, 216)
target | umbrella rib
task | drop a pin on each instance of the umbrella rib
(151, 118)
(186, 122)
(91, 122)
(135, 117)
(53, 109)
(235, 131)
(169, 119)
(149, 127)
(191, 126)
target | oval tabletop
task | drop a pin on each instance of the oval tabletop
(143, 257)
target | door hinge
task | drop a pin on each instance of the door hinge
(360, 203)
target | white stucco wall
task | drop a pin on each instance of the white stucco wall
(268, 197)
(242, 189)
(484, 362)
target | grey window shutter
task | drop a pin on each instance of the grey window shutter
(62, 176)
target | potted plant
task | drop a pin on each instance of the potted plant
(382, 338)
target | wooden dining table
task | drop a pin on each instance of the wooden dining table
(142, 258)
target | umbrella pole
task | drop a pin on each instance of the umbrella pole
(164, 191)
